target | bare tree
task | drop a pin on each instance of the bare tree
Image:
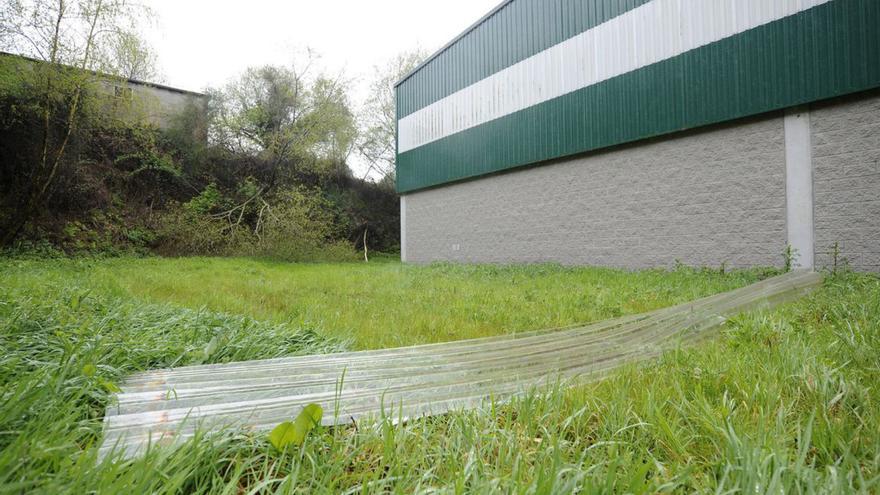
(378, 116)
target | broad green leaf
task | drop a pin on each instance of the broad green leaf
(89, 370)
(282, 435)
(294, 433)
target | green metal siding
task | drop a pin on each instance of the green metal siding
(515, 32)
(830, 50)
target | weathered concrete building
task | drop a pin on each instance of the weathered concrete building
(155, 104)
(136, 102)
(638, 133)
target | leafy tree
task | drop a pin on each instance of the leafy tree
(286, 117)
(331, 124)
(378, 116)
(68, 39)
(130, 57)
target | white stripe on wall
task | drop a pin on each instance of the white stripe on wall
(648, 34)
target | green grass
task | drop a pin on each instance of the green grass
(385, 304)
(784, 402)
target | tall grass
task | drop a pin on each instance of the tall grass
(388, 304)
(784, 402)
(63, 349)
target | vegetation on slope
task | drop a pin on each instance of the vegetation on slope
(256, 167)
(784, 401)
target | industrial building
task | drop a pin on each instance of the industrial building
(644, 133)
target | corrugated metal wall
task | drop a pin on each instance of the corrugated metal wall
(515, 32)
(540, 80)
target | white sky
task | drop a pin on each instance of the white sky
(206, 42)
(203, 43)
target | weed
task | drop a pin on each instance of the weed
(790, 257)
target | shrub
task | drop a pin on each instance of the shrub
(122, 178)
(294, 225)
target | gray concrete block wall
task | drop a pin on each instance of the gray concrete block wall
(846, 179)
(704, 198)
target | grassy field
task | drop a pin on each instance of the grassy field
(383, 304)
(784, 401)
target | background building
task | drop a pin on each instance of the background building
(638, 133)
(154, 104)
(137, 102)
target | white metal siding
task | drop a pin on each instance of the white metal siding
(648, 34)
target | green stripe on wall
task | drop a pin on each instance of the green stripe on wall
(828, 51)
(514, 33)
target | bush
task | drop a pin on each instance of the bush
(123, 184)
(299, 227)
(294, 225)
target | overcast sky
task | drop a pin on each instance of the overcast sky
(206, 42)
(202, 43)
